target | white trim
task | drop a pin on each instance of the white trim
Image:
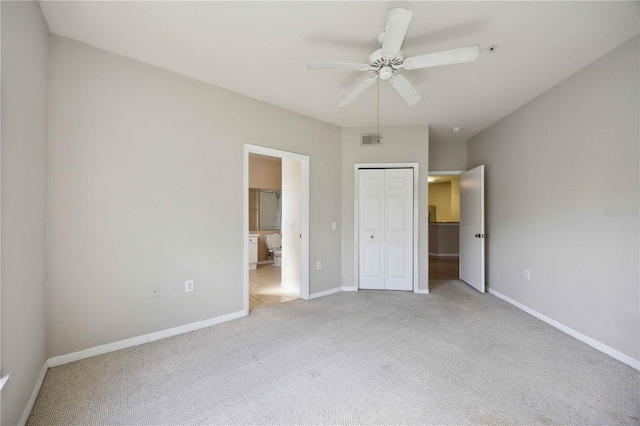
(349, 288)
(304, 226)
(325, 293)
(445, 254)
(416, 215)
(571, 332)
(422, 291)
(140, 340)
(1, 115)
(245, 227)
(265, 262)
(32, 400)
(446, 173)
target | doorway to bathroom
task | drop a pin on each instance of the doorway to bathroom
(276, 210)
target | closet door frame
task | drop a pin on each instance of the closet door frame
(356, 215)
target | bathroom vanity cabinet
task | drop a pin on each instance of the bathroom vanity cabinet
(253, 251)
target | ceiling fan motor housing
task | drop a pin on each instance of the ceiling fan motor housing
(377, 60)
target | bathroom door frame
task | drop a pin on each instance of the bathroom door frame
(304, 225)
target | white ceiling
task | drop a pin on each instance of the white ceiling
(260, 49)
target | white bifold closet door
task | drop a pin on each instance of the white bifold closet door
(385, 207)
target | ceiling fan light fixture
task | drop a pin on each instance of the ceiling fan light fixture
(456, 129)
(385, 73)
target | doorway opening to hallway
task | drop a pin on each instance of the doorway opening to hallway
(444, 228)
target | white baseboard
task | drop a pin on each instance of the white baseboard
(290, 288)
(265, 262)
(421, 291)
(116, 346)
(32, 400)
(139, 340)
(325, 293)
(571, 332)
(445, 254)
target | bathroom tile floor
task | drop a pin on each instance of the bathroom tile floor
(265, 289)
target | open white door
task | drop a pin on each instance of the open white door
(472, 233)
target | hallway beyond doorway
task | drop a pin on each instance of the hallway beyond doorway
(444, 268)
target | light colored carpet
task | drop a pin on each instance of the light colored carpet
(453, 357)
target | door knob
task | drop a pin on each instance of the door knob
(372, 236)
(477, 235)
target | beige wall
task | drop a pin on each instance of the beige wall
(401, 144)
(440, 196)
(447, 156)
(137, 156)
(556, 169)
(446, 197)
(24, 172)
(265, 173)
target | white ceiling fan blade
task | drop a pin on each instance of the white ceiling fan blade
(337, 66)
(446, 57)
(357, 92)
(397, 24)
(405, 89)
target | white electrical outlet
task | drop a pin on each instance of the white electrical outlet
(527, 274)
(155, 290)
(319, 265)
(188, 286)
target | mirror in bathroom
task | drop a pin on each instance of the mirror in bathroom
(265, 209)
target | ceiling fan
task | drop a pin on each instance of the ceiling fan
(384, 62)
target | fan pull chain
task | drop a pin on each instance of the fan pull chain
(378, 122)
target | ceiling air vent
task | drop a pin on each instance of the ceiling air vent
(371, 139)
